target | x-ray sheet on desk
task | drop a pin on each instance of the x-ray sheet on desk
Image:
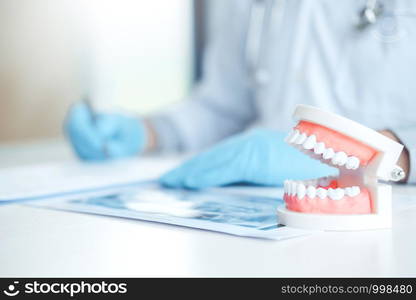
(231, 213)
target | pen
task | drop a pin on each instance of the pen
(93, 114)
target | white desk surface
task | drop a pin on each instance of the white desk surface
(39, 242)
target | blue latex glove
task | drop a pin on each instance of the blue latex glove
(105, 136)
(258, 157)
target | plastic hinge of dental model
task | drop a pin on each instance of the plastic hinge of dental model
(397, 174)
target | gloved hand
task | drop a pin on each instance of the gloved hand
(258, 157)
(105, 136)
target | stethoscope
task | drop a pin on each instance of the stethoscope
(259, 19)
(370, 14)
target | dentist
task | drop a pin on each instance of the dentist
(355, 58)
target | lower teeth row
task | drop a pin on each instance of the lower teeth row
(300, 190)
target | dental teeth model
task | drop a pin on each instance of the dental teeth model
(354, 200)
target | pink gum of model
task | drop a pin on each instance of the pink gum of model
(338, 141)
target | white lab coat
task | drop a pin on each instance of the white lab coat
(313, 55)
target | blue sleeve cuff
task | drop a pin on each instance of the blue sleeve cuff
(408, 137)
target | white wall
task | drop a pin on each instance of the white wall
(38, 67)
(132, 53)
(142, 51)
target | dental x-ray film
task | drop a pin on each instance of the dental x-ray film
(230, 213)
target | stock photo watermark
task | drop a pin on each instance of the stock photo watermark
(71, 289)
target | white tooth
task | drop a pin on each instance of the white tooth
(340, 193)
(331, 192)
(310, 142)
(301, 139)
(352, 163)
(293, 136)
(301, 191)
(311, 191)
(293, 187)
(352, 191)
(340, 158)
(289, 136)
(322, 193)
(336, 194)
(288, 187)
(356, 190)
(285, 187)
(319, 148)
(329, 153)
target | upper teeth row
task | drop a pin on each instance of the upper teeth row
(310, 143)
(300, 190)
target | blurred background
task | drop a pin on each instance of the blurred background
(134, 54)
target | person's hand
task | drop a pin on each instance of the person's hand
(105, 136)
(258, 157)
